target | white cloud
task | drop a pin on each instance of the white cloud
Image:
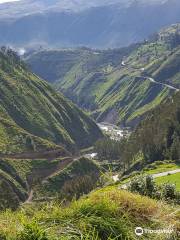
(5, 1)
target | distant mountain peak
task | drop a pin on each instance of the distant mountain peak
(74, 23)
(25, 7)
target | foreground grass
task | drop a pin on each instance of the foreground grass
(173, 179)
(105, 214)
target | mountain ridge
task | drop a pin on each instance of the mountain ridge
(101, 26)
(116, 85)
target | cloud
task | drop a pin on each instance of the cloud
(5, 1)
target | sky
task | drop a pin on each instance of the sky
(4, 1)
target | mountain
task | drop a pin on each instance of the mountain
(37, 126)
(99, 24)
(31, 106)
(27, 7)
(120, 85)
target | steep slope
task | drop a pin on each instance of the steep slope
(117, 86)
(78, 178)
(101, 24)
(32, 105)
(157, 137)
(36, 125)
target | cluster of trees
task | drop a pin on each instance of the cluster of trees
(11, 54)
(158, 136)
(10, 58)
(108, 149)
(146, 186)
(112, 150)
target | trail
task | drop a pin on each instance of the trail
(30, 197)
(51, 154)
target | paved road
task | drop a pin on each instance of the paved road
(163, 84)
(165, 173)
(151, 79)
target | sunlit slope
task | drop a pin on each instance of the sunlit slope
(35, 107)
(118, 86)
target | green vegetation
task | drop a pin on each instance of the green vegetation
(111, 91)
(30, 107)
(108, 149)
(156, 138)
(105, 214)
(154, 168)
(60, 178)
(17, 177)
(37, 124)
(145, 185)
(160, 167)
(171, 179)
(79, 177)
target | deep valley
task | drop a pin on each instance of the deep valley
(90, 133)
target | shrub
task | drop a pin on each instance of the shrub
(169, 191)
(145, 185)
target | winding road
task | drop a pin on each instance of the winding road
(163, 84)
(123, 64)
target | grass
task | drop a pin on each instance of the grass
(173, 179)
(106, 214)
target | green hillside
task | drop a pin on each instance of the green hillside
(24, 180)
(37, 128)
(156, 138)
(17, 177)
(116, 85)
(29, 104)
(79, 177)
